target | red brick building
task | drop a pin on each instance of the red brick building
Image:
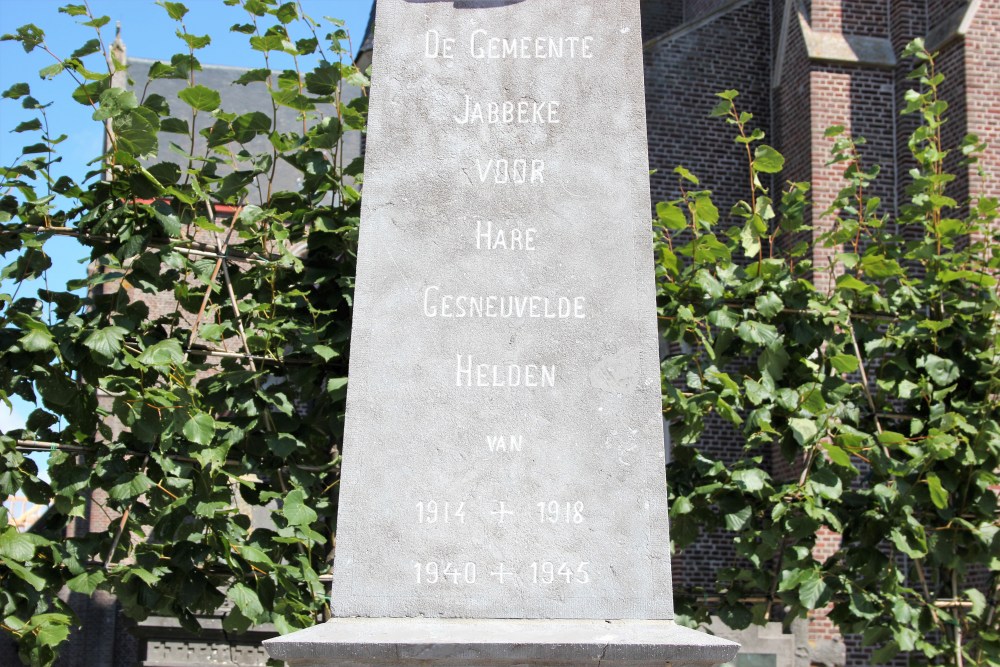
(802, 66)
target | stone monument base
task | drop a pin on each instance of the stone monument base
(384, 642)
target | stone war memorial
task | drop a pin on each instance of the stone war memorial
(503, 496)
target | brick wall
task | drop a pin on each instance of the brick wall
(736, 50)
(659, 16)
(982, 81)
(793, 104)
(682, 76)
(852, 17)
(936, 11)
(696, 9)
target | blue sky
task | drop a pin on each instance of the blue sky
(148, 33)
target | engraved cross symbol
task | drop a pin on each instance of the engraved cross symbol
(500, 573)
(502, 512)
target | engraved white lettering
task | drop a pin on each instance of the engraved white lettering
(483, 46)
(503, 306)
(512, 172)
(557, 512)
(470, 374)
(546, 572)
(499, 443)
(508, 112)
(457, 573)
(488, 238)
(466, 573)
(445, 512)
(439, 47)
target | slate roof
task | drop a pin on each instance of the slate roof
(238, 99)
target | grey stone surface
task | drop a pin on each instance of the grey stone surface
(503, 495)
(769, 640)
(485, 643)
(572, 523)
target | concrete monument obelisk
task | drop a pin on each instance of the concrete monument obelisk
(503, 499)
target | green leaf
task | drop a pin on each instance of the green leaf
(758, 333)
(324, 80)
(293, 99)
(710, 284)
(737, 520)
(29, 35)
(86, 582)
(885, 653)
(769, 304)
(878, 266)
(17, 91)
(838, 455)
(89, 47)
(26, 575)
(681, 505)
(175, 10)
(942, 371)
(165, 215)
(735, 616)
(844, 363)
(249, 125)
(750, 239)
(106, 343)
(37, 339)
(175, 126)
(671, 216)
(756, 392)
(812, 590)
(283, 444)
(254, 75)
(98, 22)
(164, 354)
(849, 282)
(723, 318)
(804, 430)
(246, 600)
(705, 210)
(16, 546)
(909, 539)
(200, 428)
(686, 175)
(194, 42)
(939, 495)
(981, 279)
(28, 126)
(132, 487)
(295, 510)
(750, 480)
(325, 352)
(201, 98)
(825, 483)
(114, 102)
(212, 332)
(721, 110)
(73, 10)
(136, 130)
(978, 600)
(767, 160)
(286, 13)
